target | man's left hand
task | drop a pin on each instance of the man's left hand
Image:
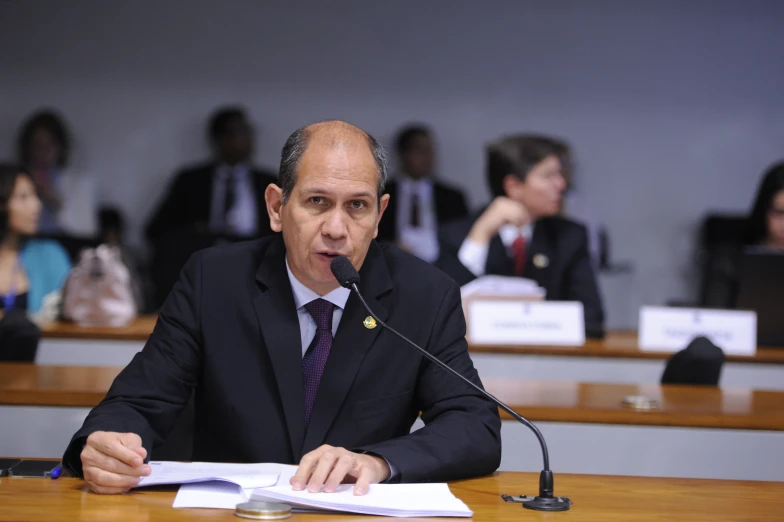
(327, 467)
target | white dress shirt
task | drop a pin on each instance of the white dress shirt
(304, 295)
(241, 219)
(474, 255)
(422, 241)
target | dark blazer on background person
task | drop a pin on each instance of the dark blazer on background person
(188, 201)
(229, 330)
(566, 276)
(449, 205)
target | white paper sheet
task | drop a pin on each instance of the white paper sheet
(244, 475)
(214, 494)
(398, 500)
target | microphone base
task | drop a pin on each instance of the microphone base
(547, 503)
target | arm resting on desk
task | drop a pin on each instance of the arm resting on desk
(148, 395)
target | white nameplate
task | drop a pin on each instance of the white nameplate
(506, 321)
(664, 329)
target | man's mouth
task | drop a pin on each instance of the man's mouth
(328, 255)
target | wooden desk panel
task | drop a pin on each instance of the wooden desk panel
(596, 498)
(684, 406)
(616, 345)
(139, 330)
(619, 345)
(24, 384)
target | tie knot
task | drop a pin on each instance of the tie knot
(321, 312)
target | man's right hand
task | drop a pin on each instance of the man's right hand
(113, 462)
(502, 211)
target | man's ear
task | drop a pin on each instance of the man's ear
(273, 196)
(382, 206)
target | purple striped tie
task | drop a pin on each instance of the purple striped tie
(316, 357)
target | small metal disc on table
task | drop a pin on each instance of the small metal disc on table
(639, 402)
(263, 510)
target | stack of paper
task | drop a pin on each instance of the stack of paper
(247, 476)
(502, 286)
(392, 500)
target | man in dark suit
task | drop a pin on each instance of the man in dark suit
(521, 234)
(286, 365)
(221, 198)
(419, 204)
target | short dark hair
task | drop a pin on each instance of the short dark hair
(8, 175)
(772, 183)
(221, 118)
(518, 154)
(407, 135)
(53, 123)
(295, 147)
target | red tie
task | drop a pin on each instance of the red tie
(518, 247)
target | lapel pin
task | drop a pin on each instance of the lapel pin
(369, 323)
(541, 261)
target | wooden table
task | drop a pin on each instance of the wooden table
(544, 401)
(587, 428)
(616, 345)
(596, 498)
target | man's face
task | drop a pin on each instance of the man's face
(542, 190)
(333, 210)
(235, 145)
(419, 159)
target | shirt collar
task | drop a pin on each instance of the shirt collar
(304, 295)
(240, 170)
(509, 233)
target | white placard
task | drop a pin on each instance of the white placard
(664, 329)
(526, 322)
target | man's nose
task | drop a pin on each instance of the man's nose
(335, 225)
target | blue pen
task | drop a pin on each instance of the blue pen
(57, 471)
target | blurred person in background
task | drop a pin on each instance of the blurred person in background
(418, 203)
(766, 222)
(224, 195)
(68, 198)
(29, 268)
(220, 199)
(521, 232)
(764, 229)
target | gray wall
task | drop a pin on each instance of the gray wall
(673, 107)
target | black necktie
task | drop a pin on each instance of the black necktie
(229, 196)
(414, 217)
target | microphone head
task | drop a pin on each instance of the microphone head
(344, 272)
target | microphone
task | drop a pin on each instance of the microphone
(348, 277)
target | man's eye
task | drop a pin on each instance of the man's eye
(317, 200)
(357, 205)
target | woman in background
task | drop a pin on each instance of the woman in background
(68, 199)
(29, 268)
(765, 227)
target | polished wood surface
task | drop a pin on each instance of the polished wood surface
(24, 384)
(139, 330)
(596, 498)
(616, 345)
(681, 406)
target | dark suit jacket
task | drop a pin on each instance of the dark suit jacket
(189, 198)
(449, 205)
(568, 275)
(229, 329)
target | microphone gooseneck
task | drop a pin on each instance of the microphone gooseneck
(348, 277)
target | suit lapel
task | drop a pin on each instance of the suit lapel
(351, 344)
(539, 256)
(277, 316)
